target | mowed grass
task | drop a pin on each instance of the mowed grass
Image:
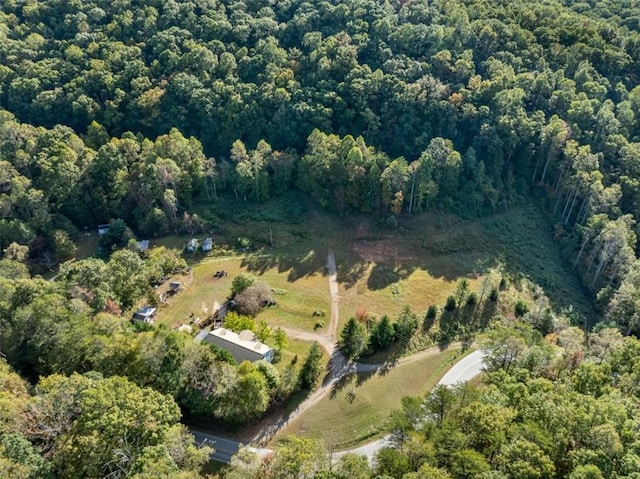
(296, 299)
(418, 289)
(358, 409)
(296, 348)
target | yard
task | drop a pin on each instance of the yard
(296, 299)
(358, 408)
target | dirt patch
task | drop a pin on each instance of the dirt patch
(380, 251)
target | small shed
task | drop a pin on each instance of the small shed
(145, 315)
(102, 229)
(207, 244)
(175, 286)
(143, 245)
(192, 245)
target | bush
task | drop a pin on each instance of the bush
(451, 304)
(521, 308)
(251, 300)
(504, 284)
(493, 295)
(432, 312)
(237, 322)
(241, 282)
(472, 300)
(244, 243)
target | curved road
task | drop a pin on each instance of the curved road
(464, 370)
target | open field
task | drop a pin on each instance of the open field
(380, 270)
(296, 300)
(358, 407)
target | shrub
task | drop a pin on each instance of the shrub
(362, 315)
(451, 304)
(241, 282)
(472, 299)
(504, 284)
(493, 295)
(236, 322)
(251, 300)
(521, 308)
(432, 312)
(244, 242)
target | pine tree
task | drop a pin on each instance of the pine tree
(311, 368)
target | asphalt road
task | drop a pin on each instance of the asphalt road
(464, 370)
(467, 368)
(224, 448)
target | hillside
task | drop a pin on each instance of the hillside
(473, 164)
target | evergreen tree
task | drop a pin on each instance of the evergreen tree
(312, 367)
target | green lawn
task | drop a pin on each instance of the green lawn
(299, 348)
(297, 298)
(358, 408)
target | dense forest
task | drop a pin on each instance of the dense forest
(140, 112)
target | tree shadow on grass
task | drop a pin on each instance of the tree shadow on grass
(487, 312)
(517, 241)
(385, 274)
(350, 272)
(298, 265)
(363, 377)
(428, 323)
(343, 382)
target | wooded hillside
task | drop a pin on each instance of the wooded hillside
(143, 112)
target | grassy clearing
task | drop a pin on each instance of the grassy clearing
(358, 408)
(296, 299)
(296, 348)
(421, 263)
(419, 289)
(379, 270)
(87, 245)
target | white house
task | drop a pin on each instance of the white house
(207, 244)
(243, 347)
(145, 315)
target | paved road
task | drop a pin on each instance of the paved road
(464, 370)
(224, 449)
